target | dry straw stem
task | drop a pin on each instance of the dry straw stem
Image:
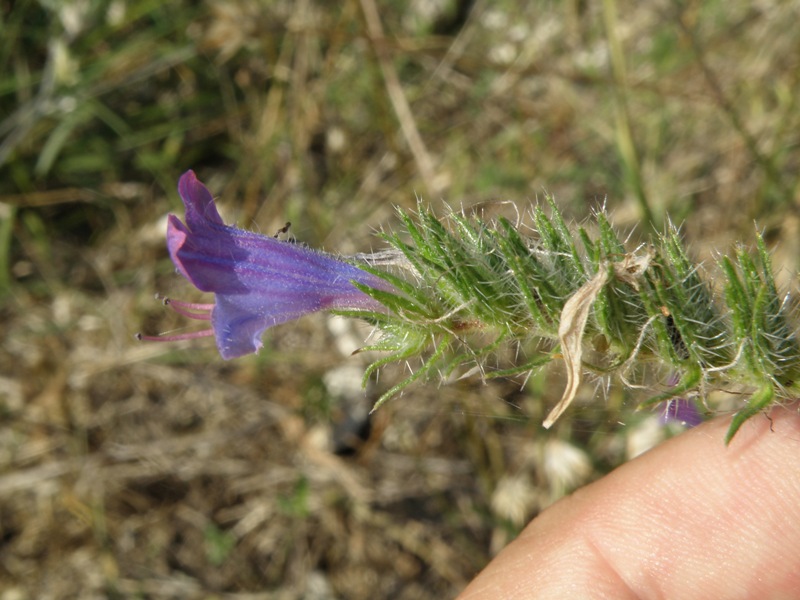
(399, 102)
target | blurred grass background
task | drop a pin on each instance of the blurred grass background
(160, 471)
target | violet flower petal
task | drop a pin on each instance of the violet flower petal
(683, 411)
(680, 410)
(259, 281)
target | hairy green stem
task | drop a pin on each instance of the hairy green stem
(465, 288)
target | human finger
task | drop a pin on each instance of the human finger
(693, 518)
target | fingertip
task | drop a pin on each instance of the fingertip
(691, 518)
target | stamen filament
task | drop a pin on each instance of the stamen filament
(176, 337)
(185, 308)
(204, 316)
(189, 305)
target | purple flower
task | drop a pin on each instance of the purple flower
(680, 410)
(258, 281)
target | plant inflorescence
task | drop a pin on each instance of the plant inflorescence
(466, 288)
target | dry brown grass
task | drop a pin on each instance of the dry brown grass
(159, 471)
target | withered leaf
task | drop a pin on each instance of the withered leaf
(570, 333)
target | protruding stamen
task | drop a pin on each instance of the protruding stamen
(190, 310)
(175, 338)
(190, 305)
(186, 308)
(180, 308)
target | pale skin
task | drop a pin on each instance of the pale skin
(692, 518)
